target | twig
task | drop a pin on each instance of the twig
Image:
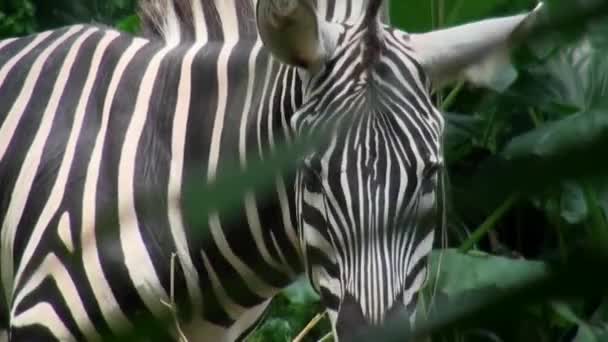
(326, 337)
(309, 327)
(488, 224)
(172, 307)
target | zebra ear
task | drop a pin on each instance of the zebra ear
(479, 51)
(292, 30)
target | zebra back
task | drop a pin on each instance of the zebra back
(226, 20)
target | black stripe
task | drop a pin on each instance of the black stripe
(111, 254)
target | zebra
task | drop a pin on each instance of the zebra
(90, 117)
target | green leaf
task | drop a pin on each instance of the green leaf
(574, 209)
(301, 292)
(573, 133)
(460, 132)
(460, 272)
(573, 76)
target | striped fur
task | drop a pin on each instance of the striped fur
(90, 118)
(76, 148)
(227, 20)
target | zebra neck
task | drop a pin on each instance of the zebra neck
(240, 105)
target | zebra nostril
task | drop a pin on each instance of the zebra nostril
(351, 320)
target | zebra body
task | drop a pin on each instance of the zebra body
(90, 118)
(90, 146)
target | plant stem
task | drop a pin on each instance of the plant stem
(535, 119)
(309, 327)
(489, 224)
(449, 100)
(326, 337)
(598, 221)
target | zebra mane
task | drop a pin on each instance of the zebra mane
(198, 20)
(176, 21)
(371, 20)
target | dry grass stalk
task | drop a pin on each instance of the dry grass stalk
(309, 327)
(172, 307)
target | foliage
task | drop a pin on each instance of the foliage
(291, 311)
(527, 180)
(17, 18)
(22, 17)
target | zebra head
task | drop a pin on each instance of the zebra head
(368, 199)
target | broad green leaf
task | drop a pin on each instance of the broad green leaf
(460, 132)
(569, 135)
(460, 272)
(573, 76)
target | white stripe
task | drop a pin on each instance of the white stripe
(282, 258)
(261, 106)
(137, 260)
(52, 267)
(8, 66)
(16, 112)
(64, 230)
(6, 42)
(43, 312)
(34, 156)
(218, 234)
(172, 28)
(247, 108)
(229, 20)
(30, 165)
(422, 249)
(340, 11)
(271, 111)
(252, 281)
(176, 224)
(346, 189)
(290, 230)
(108, 305)
(315, 239)
(322, 8)
(246, 321)
(220, 113)
(415, 287)
(230, 307)
(200, 26)
(253, 219)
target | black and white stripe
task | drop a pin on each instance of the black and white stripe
(365, 196)
(91, 118)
